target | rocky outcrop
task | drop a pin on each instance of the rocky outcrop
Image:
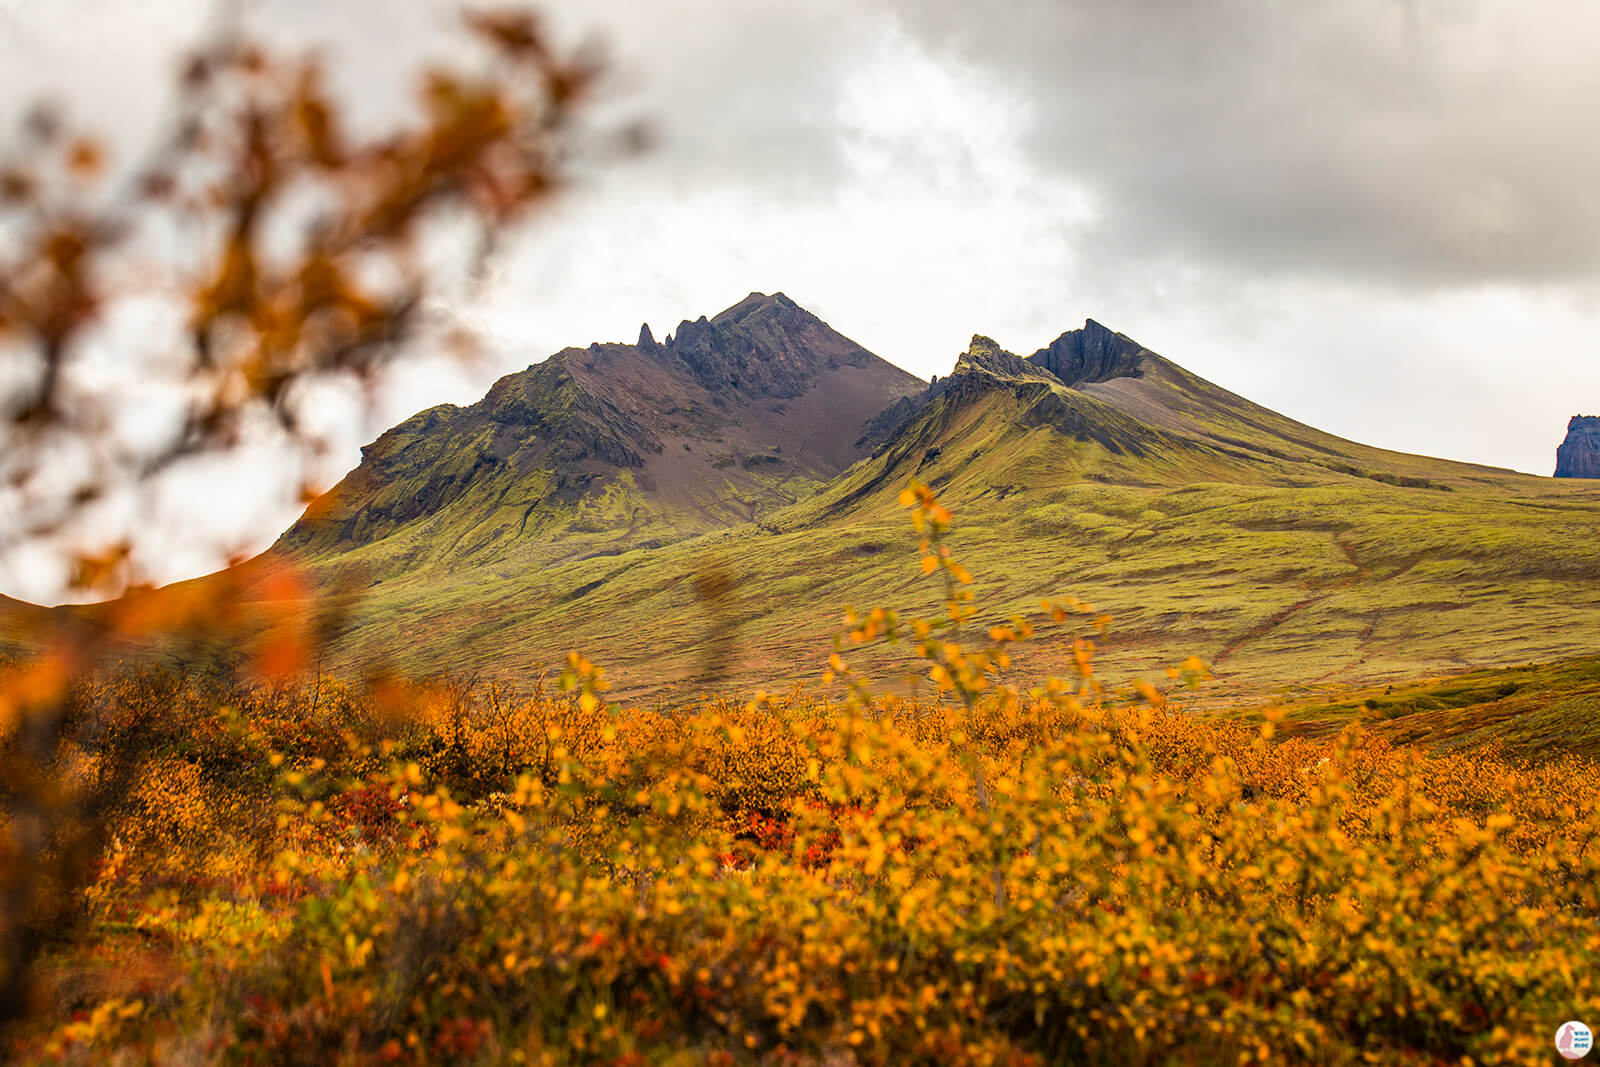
(984, 355)
(1092, 354)
(765, 346)
(1579, 454)
(983, 362)
(1043, 398)
(1077, 357)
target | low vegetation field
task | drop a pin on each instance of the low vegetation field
(326, 873)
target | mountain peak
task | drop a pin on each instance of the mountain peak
(646, 338)
(1092, 354)
(764, 346)
(755, 303)
(980, 345)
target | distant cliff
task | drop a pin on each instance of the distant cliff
(1579, 454)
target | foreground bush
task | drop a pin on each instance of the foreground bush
(789, 882)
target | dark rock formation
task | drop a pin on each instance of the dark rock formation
(765, 346)
(1579, 454)
(646, 338)
(1092, 354)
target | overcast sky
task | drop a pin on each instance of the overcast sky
(1380, 217)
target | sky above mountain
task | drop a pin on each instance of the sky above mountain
(1376, 216)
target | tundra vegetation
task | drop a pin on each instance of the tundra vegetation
(319, 872)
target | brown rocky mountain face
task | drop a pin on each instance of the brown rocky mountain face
(1579, 455)
(649, 442)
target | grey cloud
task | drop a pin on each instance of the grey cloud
(1413, 142)
(1420, 143)
(736, 93)
(743, 93)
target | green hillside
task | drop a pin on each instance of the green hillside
(1530, 711)
(1291, 560)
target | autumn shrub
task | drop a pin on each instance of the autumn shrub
(1094, 901)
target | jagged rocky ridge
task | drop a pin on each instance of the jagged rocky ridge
(1078, 357)
(728, 417)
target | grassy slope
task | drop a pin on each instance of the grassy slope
(1530, 710)
(1281, 555)
(530, 505)
(20, 625)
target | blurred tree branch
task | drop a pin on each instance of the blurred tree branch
(260, 159)
(303, 258)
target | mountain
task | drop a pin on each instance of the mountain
(610, 447)
(574, 507)
(1114, 413)
(1579, 454)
